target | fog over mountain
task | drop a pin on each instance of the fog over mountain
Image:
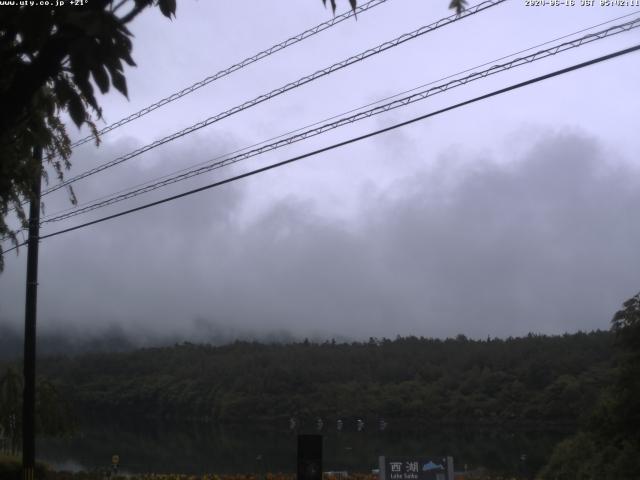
(74, 340)
(512, 215)
(539, 238)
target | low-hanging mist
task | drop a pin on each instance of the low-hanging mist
(541, 239)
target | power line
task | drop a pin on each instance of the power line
(279, 91)
(208, 162)
(229, 70)
(198, 169)
(205, 167)
(349, 141)
(539, 55)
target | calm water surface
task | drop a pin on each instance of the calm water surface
(202, 448)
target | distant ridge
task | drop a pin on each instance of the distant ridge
(532, 379)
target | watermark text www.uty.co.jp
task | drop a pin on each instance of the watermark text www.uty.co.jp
(43, 3)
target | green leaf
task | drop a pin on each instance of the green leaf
(113, 64)
(63, 91)
(333, 4)
(167, 7)
(458, 5)
(101, 78)
(127, 58)
(118, 80)
(76, 110)
(86, 89)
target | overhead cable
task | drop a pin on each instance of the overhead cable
(494, 93)
(415, 97)
(333, 117)
(229, 70)
(279, 91)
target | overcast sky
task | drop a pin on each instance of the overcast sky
(513, 215)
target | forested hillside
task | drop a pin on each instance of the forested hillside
(531, 379)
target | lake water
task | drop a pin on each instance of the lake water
(194, 448)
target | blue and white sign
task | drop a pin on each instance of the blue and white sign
(416, 468)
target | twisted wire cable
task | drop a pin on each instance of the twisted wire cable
(486, 96)
(375, 102)
(407, 100)
(272, 166)
(279, 91)
(229, 70)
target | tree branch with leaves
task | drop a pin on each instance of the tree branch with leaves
(50, 60)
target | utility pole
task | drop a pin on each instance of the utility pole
(29, 392)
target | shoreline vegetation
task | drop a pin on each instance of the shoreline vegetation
(533, 381)
(10, 470)
(536, 379)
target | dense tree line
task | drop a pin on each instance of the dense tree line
(607, 446)
(531, 379)
(52, 413)
(60, 342)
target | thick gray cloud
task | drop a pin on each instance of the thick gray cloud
(542, 240)
(456, 224)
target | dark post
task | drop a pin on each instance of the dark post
(309, 457)
(29, 393)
